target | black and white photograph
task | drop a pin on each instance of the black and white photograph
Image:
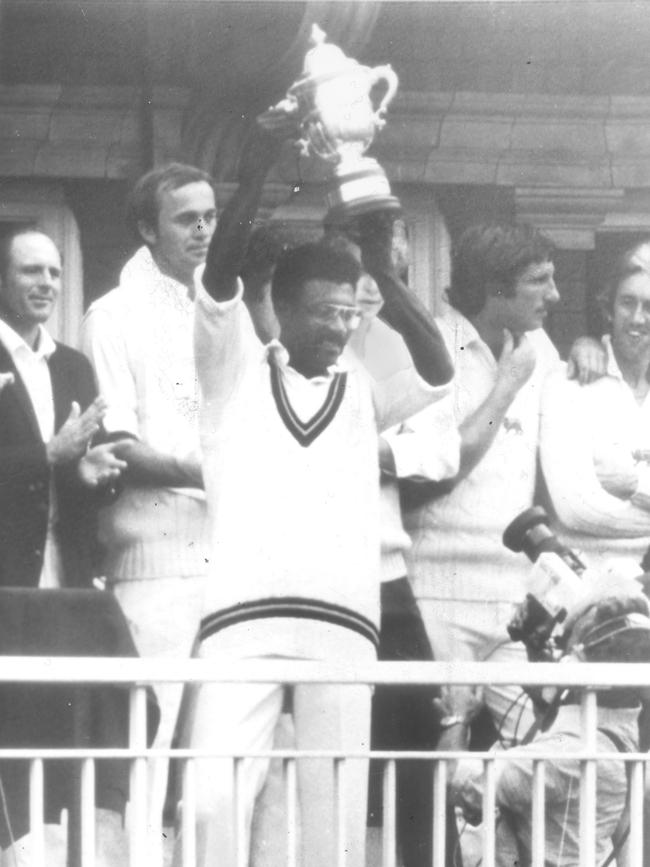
(324, 433)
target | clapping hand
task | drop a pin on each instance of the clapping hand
(100, 465)
(72, 440)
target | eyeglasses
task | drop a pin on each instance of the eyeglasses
(351, 316)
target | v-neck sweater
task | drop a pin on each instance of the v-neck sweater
(294, 517)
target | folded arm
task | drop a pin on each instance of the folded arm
(581, 502)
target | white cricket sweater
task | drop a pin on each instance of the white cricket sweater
(293, 504)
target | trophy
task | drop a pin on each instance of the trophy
(338, 123)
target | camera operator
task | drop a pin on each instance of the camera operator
(609, 623)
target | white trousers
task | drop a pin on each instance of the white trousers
(241, 718)
(163, 615)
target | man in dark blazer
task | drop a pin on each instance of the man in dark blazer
(49, 412)
(51, 483)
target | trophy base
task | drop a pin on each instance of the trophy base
(358, 192)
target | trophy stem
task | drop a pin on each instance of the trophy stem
(361, 191)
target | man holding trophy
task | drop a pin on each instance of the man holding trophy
(290, 445)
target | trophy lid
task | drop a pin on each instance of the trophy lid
(324, 59)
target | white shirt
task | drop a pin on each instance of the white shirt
(32, 365)
(457, 549)
(586, 430)
(426, 447)
(139, 339)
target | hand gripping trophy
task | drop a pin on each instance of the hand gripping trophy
(338, 122)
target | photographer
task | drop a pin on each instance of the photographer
(610, 623)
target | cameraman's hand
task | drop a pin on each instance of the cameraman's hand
(516, 363)
(587, 361)
(100, 465)
(72, 439)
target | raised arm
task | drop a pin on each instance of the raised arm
(402, 310)
(230, 240)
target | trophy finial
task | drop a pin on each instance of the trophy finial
(323, 58)
(317, 36)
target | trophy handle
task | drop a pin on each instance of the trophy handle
(389, 76)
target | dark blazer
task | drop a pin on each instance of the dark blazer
(25, 479)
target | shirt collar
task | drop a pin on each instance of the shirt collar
(141, 269)
(278, 353)
(465, 334)
(15, 344)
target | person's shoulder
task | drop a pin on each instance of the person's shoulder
(115, 301)
(72, 357)
(559, 388)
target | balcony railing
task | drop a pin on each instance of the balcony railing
(137, 674)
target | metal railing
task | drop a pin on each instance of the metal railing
(138, 674)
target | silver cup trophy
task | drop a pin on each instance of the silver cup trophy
(338, 122)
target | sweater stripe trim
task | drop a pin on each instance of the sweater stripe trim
(306, 432)
(289, 606)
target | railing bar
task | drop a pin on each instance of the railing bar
(489, 812)
(138, 777)
(538, 847)
(241, 853)
(389, 809)
(113, 670)
(188, 816)
(636, 785)
(439, 811)
(589, 722)
(182, 753)
(339, 806)
(87, 813)
(36, 824)
(291, 803)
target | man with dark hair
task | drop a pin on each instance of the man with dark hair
(488, 259)
(296, 551)
(139, 340)
(465, 581)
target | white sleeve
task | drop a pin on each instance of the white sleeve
(426, 447)
(581, 503)
(225, 344)
(102, 341)
(399, 391)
